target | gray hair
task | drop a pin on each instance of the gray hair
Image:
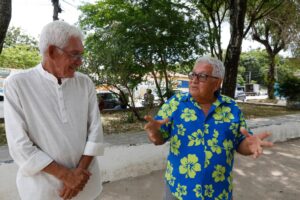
(57, 33)
(217, 65)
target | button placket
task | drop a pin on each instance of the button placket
(62, 105)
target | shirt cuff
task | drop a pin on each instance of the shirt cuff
(35, 164)
(93, 149)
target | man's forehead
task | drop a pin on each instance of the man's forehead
(203, 67)
(75, 43)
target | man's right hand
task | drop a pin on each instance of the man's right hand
(153, 127)
(74, 182)
(76, 178)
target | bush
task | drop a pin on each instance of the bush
(289, 87)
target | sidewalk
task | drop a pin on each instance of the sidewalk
(131, 155)
(274, 176)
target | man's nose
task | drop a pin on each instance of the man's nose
(194, 80)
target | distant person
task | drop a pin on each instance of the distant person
(204, 128)
(149, 99)
(52, 121)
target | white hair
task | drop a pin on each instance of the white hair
(57, 33)
(217, 65)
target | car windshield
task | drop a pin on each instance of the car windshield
(108, 96)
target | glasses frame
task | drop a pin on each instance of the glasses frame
(74, 57)
(202, 77)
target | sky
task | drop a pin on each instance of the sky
(32, 15)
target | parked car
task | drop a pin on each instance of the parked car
(108, 100)
(240, 93)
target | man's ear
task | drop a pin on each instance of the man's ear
(219, 84)
(52, 51)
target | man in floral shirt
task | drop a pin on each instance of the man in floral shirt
(204, 129)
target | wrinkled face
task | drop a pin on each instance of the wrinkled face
(68, 59)
(202, 84)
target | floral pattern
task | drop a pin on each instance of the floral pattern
(198, 191)
(222, 196)
(189, 166)
(223, 114)
(175, 144)
(169, 174)
(196, 138)
(180, 191)
(209, 190)
(181, 129)
(188, 115)
(218, 174)
(199, 142)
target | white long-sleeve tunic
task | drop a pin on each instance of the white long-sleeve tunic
(46, 121)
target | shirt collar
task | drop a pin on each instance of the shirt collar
(220, 98)
(50, 76)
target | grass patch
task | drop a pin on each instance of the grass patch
(2, 134)
(257, 111)
(125, 121)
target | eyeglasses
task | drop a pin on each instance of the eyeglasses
(200, 77)
(74, 57)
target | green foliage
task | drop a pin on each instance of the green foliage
(14, 36)
(214, 13)
(255, 64)
(289, 87)
(293, 63)
(240, 80)
(20, 50)
(127, 39)
(19, 56)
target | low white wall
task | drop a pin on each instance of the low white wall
(281, 132)
(125, 161)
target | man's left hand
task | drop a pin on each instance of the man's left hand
(256, 142)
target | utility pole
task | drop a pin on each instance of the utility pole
(249, 78)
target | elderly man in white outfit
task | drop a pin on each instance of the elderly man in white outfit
(53, 122)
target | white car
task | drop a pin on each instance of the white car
(240, 93)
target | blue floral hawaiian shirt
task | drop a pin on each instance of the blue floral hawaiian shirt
(200, 160)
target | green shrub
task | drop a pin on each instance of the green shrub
(289, 87)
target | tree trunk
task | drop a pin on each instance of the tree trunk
(271, 77)
(56, 9)
(159, 93)
(237, 17)
(5, 16)
(168, 93)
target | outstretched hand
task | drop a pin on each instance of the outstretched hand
(256, 142)
(152, 127)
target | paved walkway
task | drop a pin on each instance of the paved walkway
(274, 176)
